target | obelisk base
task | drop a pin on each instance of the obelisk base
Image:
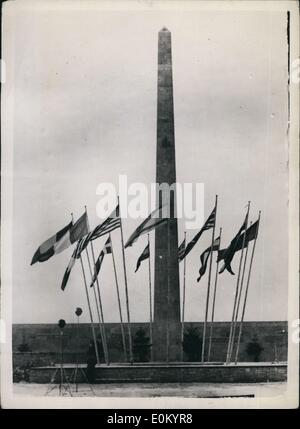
(166, 342)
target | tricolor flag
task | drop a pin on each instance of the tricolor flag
(181, 250)
(205, 255)
(144, 255)
(153, 220)
(78, 230)
(112, 222)
(208, 225)
(105, 251)
(69, 267)
(228, 254)
(61, 240)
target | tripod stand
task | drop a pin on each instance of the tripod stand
(78, 369)
(63, 385)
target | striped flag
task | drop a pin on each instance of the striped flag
(208, 225)
(46, 250)
(69, 267)
(78, 230)
(144, 255)
(205, 255)
(105, 251)
(112, 222)
(153, 220)
(181, 250)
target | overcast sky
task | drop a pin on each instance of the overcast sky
(85, 86)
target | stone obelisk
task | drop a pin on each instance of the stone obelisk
(166, 326)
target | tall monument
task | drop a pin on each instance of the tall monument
(166, 326)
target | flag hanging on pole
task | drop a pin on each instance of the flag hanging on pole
(78, 230)
(61, 240)
(152, 221)
(46, 249)
(105, 251)
(205, 255)
(208, 225)
(144, 255)
(181, 250)
(69, 267)
(111, 223)
(228, 253)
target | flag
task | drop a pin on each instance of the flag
(152, 221)
(112, 222)
(69, 267)
(78, 230)
(228, 253)
(208, 224)
(47, 249)
(181, 250)
(251, 234)
(205, 255)
(145, 255)
(106, 250)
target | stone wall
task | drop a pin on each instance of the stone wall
(43, 341)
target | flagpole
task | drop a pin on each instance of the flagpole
(183, 300)
(101, 315)
(208, 284)
(150, 301)
(240, 293)
(214, 302)
(89, 306)
(231, 339)
(100, 320)
(126, 288)
(119, 301)
(246, 295)
(90, 310)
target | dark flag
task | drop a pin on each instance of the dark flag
(205, 255)
(208, 225)
(181, 250)
(144, 255)
(69, 267)
(228, 254)
(153, 220)
(112, 222)
(105, 251)
(47, 249)
(251, 234)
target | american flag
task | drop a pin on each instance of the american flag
(210, 222)
(112, 222)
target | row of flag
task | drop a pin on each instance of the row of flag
(79, 232)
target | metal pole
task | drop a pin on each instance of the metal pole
(214, 303)
(98, 311)
(240, 293)
(126, 289)
(231, 339)
(90, 310)
(246, 295)
(208, 284)
(183, 300)
(119, 301)
(99, 301)
(150, 302)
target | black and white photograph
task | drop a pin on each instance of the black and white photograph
(149, 204)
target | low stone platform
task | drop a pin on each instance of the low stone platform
(171, 373)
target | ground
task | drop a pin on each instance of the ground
(187, 390)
